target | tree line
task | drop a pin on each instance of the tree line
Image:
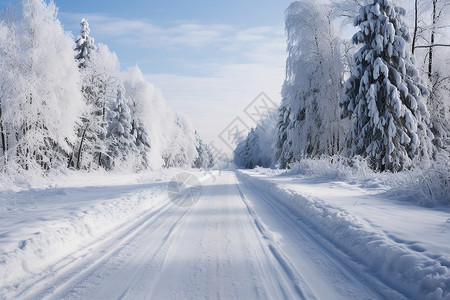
(371, 98)
(66, 104)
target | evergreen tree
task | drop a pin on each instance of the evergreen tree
(383, 95)
(205, 158)
(142, 141)
(136, 90)
(122, 143)
(90, 130)
(84, 45)
(255, 149)
(99, 70)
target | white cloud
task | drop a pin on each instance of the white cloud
(144, 33)
(182, 34)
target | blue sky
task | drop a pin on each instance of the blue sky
(209, 58)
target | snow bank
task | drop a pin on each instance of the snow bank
(40, 227)
(429, 186)
(410, 272)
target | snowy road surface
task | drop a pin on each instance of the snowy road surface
(236, 242)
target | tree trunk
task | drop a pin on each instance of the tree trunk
(81, 145)
(415, 26)
(3, 138)
(430, 51)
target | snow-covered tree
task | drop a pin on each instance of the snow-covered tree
(431, 47)
(8, 63)
(205, 158)
(383, 96)
(152, 119)
(140, 96)
(100, 81)
(122, 142)
(41, 100)
(347, 9)
(84, 46)
(256, 149)
(310, 124)
(179, 150)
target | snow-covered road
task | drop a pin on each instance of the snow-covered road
(250, 235)
(235, 243)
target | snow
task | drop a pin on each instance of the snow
(42, 226)
(260, 234)
(409, 255)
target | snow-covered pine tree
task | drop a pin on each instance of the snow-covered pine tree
(283, 150)
(310, 124)
(136, 90)
(82, 155)
(88, 130)
(84, 45)
(247, 152)
(256, 148)
(142, 141)
(383, 95)
(122, 143)
(99, 71)
(205, 158)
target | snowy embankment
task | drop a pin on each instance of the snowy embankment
(40, 228)
(404, 245)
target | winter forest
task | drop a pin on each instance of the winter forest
(64, 103)
(382, 97)
(339, 189)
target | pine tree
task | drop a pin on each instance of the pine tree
(90, 130)
(99, 71)
(383, 95)
(84, 46)
(283, 151)
(205, 158)
(256, 148)
(122, 143)
(142, 141)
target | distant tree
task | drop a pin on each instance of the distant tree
(383, 95)
(179, 150)
(256, 148)
(205, 158)
(310, 124)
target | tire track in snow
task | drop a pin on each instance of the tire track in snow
(73, 269)
(300, 285)
(340, 260)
